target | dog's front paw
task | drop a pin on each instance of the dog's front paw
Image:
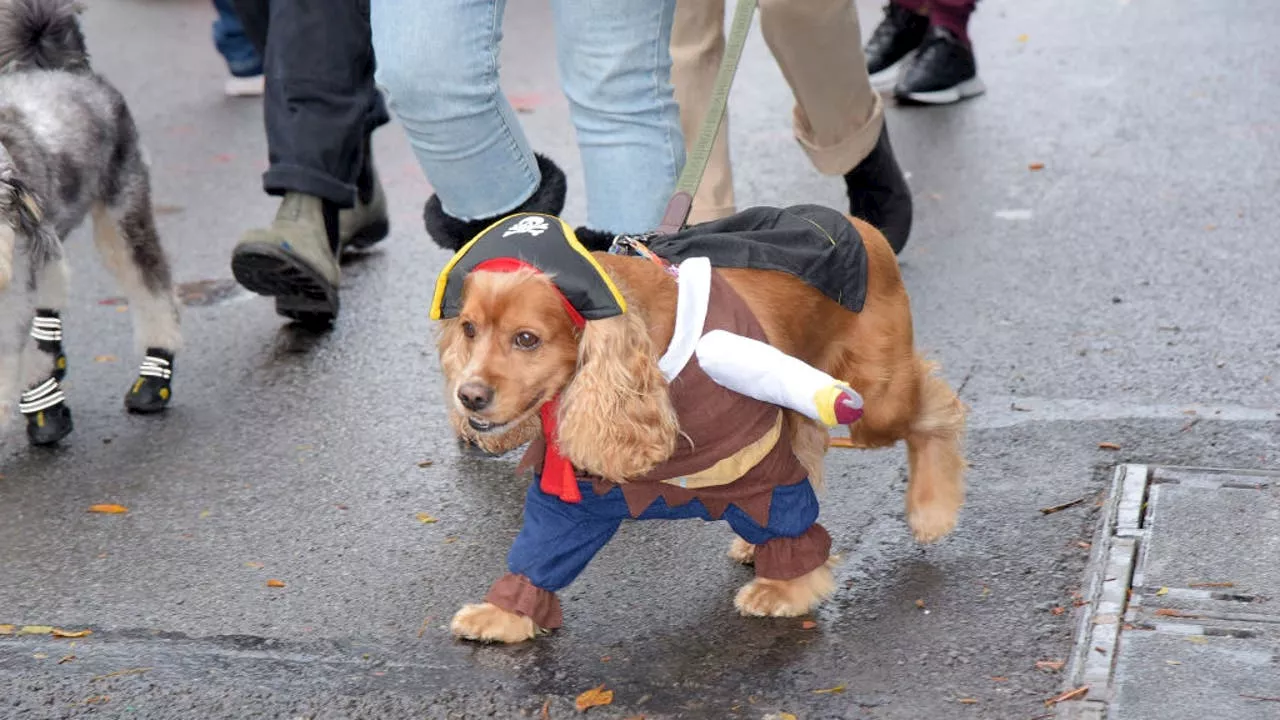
(763, 597)
(487, 622)
(742, 552)
(932, 522)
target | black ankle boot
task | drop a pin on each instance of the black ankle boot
(452, 233)
(878, 193)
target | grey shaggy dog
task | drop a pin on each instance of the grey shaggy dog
(69, 149)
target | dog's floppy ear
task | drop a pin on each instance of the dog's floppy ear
(616, 419)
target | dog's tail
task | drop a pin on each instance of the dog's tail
(41, 34)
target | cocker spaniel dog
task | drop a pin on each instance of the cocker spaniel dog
(693, 375)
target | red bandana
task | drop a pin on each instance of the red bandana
(558, 476)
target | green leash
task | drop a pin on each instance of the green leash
(696, 162)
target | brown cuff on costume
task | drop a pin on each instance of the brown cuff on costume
(787, 558)
(515, 593)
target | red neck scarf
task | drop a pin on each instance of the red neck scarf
(558, 476)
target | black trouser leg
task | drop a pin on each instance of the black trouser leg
(321, 103)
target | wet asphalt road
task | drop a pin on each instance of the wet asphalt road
(1096, 300)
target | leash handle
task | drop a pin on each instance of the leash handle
(696, 162)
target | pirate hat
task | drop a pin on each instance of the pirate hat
(543, 243)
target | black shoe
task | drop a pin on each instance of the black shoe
(944, 71)
(452, 233)
(894, 38)
(878, 193)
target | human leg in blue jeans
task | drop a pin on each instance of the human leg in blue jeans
(558, 539)
(243, 61)
(438, 63)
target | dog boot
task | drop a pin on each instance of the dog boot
(878, 193)
(366, 224)
(452, 233)
(46, 330)
(294, 260)
(48, 417)
(152, 390)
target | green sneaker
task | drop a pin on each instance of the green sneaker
(292, 262)
(364, 225)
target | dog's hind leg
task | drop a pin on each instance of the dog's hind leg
(126, 236)
(935, 480)
(44, 365)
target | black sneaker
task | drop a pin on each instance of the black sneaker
(894, 38)
(943, 71)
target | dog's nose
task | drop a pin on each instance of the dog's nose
(475, 396)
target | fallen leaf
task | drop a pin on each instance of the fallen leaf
(1024, 37)
(998, 678)
(424, 518)
(1084, 545)
(1197, 639)
(450, 540)
(40, 656)
(95, 699)
(595, 697)
(109, 509)
(1108, 446)
(1170, 612)
(254, 565)
(606, 658)
(786, 716)
(105, 358)
(1058, 610)
(920, 604)
(1212, 585)
(66, 659)
(1035, 166)
(426, 463)
(831, 690)
(35, 630)
(7, 629)
(204, 514)
(275, 583)
(1162, 591)
(122, 308)
(59, 633)
(1054, 665)
(546, 709)
(808, 625)
(967, 701)
(1068, 695)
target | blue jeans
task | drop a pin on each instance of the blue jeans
(438, 65)
(228, 36)
(558, 539)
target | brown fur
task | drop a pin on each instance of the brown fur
(617, 421)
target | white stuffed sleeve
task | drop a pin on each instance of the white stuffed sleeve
(765, 373)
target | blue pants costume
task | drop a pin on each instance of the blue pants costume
(558, 539)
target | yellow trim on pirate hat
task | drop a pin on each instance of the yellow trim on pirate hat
(548, 244)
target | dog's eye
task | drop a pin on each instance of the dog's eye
(526, 340)
(468, 329)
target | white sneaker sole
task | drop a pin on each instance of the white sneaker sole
(245, 86)
(888, 77)
(967, 89)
